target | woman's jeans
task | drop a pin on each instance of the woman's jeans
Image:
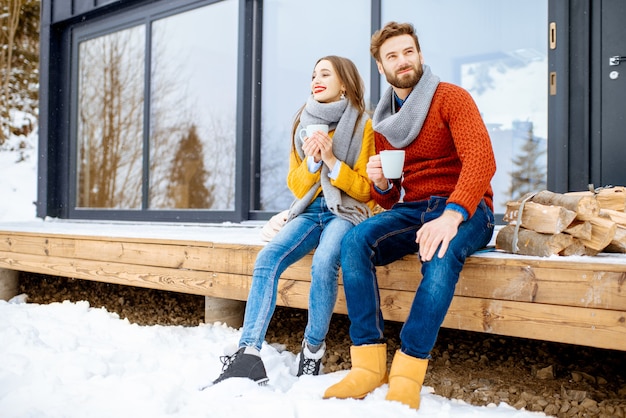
(389, 236)
(317, 228)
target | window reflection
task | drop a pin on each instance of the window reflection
(292, 42)
(110, 120)
(193, 109)
(498, 52)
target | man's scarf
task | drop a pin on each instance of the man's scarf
(347, 142)
(401, 128)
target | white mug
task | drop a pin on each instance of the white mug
(392, 162)
(311, 129)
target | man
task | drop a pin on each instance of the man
(441, 208)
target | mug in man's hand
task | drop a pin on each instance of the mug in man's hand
(392, 162)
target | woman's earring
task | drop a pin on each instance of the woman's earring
(343, 95)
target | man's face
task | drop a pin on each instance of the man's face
(400, 62)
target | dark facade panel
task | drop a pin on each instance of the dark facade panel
(83, 6)
(68, 9)
(61, 10)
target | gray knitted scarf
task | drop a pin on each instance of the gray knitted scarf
(401, 128)
(347, 143)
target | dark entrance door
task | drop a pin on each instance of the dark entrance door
(613, 88)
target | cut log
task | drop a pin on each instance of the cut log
(531, 242)
(602, 233)
(585, 206)
(578, 248)
(618, 243)
(540, 218)
(613, 198)
(615, 215)
(579, 229)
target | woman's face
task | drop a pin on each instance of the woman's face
(325, 84)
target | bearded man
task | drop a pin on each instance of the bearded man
(441, 208)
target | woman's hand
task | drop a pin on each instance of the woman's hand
(311, 148)
(325, 145)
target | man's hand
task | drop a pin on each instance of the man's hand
(374, 171)
(438, 231)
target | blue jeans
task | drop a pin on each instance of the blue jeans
(389, 236)
(317, 228)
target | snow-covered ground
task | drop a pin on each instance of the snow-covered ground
(71, 360)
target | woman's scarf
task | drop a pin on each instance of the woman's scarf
(401, 128)
(347, 142)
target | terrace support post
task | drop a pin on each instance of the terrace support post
(9, 283)
(227, 311)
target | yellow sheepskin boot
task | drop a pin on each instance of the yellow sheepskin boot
(406, 379)
(369, 371)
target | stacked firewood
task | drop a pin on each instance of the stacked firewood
(576, 223)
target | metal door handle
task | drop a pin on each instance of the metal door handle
(615, 60)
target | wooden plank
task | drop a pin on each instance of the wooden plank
(238, 259)
(573, 325)
(584, 288)
(602, 262)
(29, 243)
(178, 280)
(521, 282)
(198, 257)
(582, 326)
(7, 235)
(529, 282)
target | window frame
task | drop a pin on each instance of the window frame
(145, 15)
(57, 146)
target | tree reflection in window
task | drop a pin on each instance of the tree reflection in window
(110, 120)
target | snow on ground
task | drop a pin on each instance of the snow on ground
(71, 360)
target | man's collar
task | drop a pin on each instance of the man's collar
(398, 102)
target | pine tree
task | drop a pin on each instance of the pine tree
(530, 172)
(187, 188)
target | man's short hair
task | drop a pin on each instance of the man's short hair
(390, 30)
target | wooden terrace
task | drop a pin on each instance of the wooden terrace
(576, 300)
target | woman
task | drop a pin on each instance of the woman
(327, 175)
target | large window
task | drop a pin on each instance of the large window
(497, 50)
(184, 157)
(182, 110)
(193, 107)
(295, 35)
(110, 120)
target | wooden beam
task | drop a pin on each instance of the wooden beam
(577, 301)
(582, 326)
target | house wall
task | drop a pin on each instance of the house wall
(570, 161)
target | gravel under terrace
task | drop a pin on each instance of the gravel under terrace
(559, 379)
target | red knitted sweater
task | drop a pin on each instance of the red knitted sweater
(451, 157)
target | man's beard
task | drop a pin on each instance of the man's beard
(406, 81)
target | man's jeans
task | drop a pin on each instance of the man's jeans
(316, 227)
(390, 236)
